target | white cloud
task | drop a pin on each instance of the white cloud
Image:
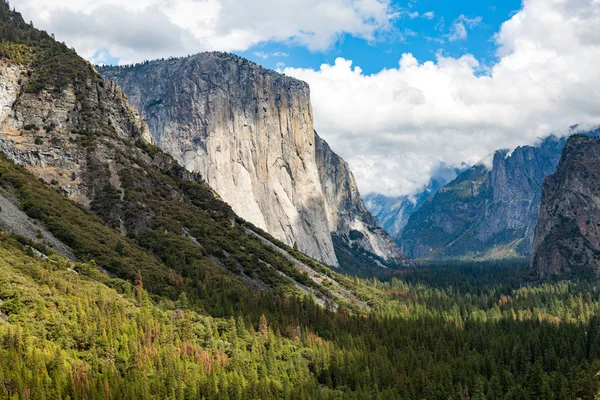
(429, 15)
(396, 126)
(264, 56)
(135, 30)
(261, 54)
(458, 30)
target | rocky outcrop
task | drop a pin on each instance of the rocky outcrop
(50, 132)
(249, 132)
(567, 236)
(485, 213)
(347, 214)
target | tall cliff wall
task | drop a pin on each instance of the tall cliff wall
(349, 218)
(249, 131)
(567, 236)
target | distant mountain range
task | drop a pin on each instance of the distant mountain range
(392, 212)
(484, 213)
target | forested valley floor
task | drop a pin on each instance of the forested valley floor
(71, 332)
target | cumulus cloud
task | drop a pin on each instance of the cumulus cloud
(396, 126)
(135, 30)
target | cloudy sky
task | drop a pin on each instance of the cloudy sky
(398, 87)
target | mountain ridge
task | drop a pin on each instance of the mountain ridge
(250, 130)
(485, 213)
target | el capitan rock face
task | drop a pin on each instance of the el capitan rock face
(567, 235)
(249, 132)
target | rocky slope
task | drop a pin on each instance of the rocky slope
(392, 213)
(350, 221)
(485, 213)
(76, 160)
(567, 236)
(249, 132)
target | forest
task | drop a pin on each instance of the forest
(69, 331)
(166, 312)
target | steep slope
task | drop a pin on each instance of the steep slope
(392, 213)
(485, 213)
(91, 178)
(249, 132)
(446, 216)
(351, 223)
(567, 236)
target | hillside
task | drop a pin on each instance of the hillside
(123, 276)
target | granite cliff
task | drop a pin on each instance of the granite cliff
(485, 213)
(567, 236)
(351, 223)
(249, 132)
(79, 174)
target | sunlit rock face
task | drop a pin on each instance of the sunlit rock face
(250, 133)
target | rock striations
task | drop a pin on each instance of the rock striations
(349, 219)
(567, 236)
(249, 132)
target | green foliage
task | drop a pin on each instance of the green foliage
(86, 335)
(175, 319)
(55, 66)
(16, 52)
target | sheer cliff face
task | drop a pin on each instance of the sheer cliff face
(485, 213)
(250, 133)
(347, 214)
(514, 188)
(247, 131)
(567, 236)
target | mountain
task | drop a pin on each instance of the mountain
(567, 236)
(124, 276)
(249, 132)
(356, 237)
(392, 212)
(78, 172)
(485, 213)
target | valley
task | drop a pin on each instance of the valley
(177, 229)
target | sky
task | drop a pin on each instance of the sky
(398, 87)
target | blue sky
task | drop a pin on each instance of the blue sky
(424, 38)
(431, 89)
